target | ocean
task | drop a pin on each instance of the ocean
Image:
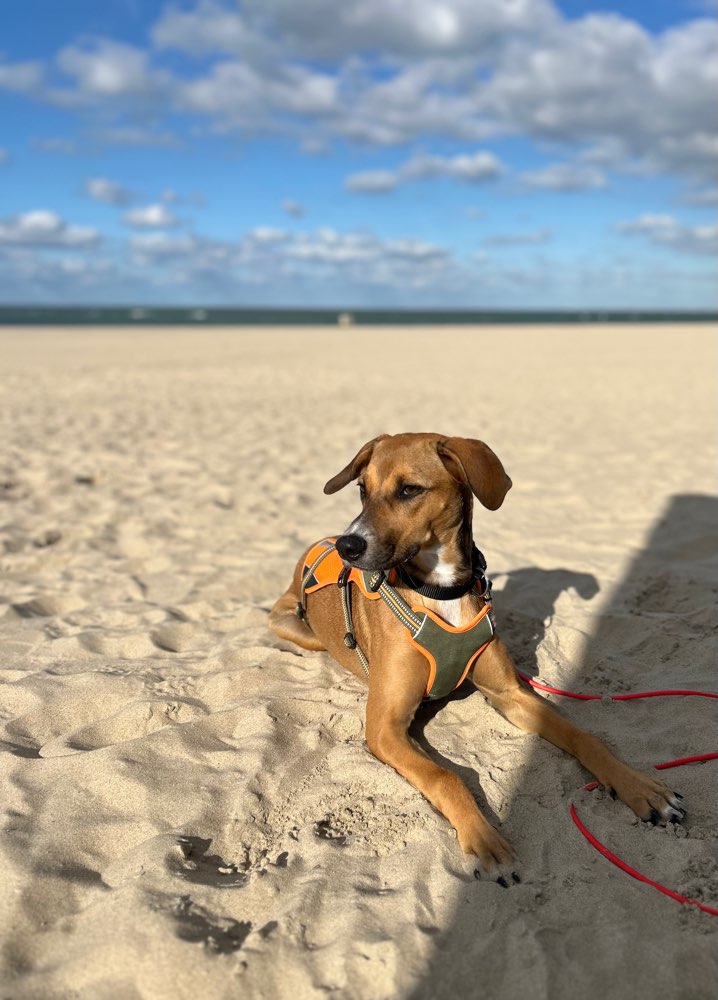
(225, 316)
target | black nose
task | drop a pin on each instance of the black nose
(350, 547)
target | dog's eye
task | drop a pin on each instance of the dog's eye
(409, 491)
(362, 491)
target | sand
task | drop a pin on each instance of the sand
(188, 807)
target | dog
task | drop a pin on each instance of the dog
(415, 529)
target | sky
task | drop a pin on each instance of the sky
(372, 153)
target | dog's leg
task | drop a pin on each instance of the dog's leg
(495, 676)
(392, 703)
(284, 621)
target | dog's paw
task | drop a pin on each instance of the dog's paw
(651, 800)
(503, 875)
(495, 856)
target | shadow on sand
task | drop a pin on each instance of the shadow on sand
(662, 612)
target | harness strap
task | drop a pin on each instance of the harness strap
(301, 608)
(375, 582)
(349, 638)
(396, 604)
(401, 610)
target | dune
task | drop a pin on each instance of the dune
(189, 809)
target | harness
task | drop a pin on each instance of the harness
(450, 651)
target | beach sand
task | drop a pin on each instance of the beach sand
(188, 806)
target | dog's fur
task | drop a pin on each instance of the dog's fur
(429, 532)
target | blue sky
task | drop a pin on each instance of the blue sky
(509, 153)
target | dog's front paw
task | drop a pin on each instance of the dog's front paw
(496, 857)
(650, 799)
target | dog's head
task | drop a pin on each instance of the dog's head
(414, 489)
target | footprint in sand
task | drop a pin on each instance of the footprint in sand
(179, 637)
(48, 605)
(193, 864)
(120, 646)
(131, 723)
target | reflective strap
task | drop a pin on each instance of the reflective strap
(346, 606)
(398, 606)
(349, 638)
(306, 578)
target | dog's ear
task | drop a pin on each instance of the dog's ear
(356, 465)
(474, 464)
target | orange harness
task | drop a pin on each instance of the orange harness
(450, 651)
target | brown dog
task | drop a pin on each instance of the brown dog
(416, 492)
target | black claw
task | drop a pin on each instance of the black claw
(502, 882)
(678, 795)
(653, 817)
(679, 818)
(612, 793)
(477, 873)
(515, 876)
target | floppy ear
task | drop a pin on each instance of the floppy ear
(356, 465)
(474, 464)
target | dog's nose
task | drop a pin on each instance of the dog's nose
(350, 547)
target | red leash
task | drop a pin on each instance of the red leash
(696, 758)
(537, 686)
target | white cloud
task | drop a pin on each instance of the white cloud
(293, 208)
(109, 192)
(56, 144)
(207, 28)
(266, 235)
(665, 230)
(156, 216)
(33, 274)
(131, 135)
(372, 182)
(707, 196)
(106, 71)
(603, 78)
(264, 255)
(533, 238)
(42, 228)
(642, 101)
(314, 145)
(333, 267)
(163, 245)
(472, 168)
(387, 72)
(238, 95)
(361, 258)
(565, 177)
(23, 78)
(329, 30)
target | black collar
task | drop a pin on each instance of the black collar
(438, 593)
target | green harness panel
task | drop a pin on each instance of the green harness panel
(452, 652)
(449, 651)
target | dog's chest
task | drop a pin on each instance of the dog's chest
(451, 612)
